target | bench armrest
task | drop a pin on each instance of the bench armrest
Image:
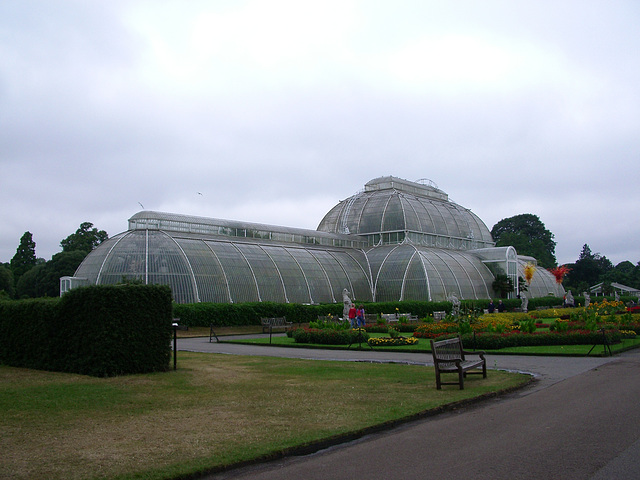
(480, 353)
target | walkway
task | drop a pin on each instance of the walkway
(579, 420)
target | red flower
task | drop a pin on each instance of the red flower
(559, 272)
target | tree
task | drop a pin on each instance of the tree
(625, 273)
(502, 285)
(85, 239)
(44, 279)
(590, 269)
(25, 257)
(6, 281)
(529, 236)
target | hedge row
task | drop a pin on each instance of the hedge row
(326, 336)
(496, 341)
(98, 331)
(239, 314)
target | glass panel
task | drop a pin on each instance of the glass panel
(90, 266)
(296, 288)
(315, 277)
(128, 260)
(265, 271)
(353, 267)
(168, 266)
(415, 282)
(239, 276)
(210, 278)
(371, 218)
(393, 215)
(389, 280)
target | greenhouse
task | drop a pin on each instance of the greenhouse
(394, 240)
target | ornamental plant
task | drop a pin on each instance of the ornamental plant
(392, 342)
(559, 273)
(529, 270)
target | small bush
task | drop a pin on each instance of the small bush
(329, 337)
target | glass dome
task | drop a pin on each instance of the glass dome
(390, 210)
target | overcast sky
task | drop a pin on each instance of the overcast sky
(273, 111)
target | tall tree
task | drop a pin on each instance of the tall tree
(44, 280)
(529, 236)
(85, 239)
(590, 269)
(25, 257)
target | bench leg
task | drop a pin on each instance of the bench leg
(438, 382)
(461, 375)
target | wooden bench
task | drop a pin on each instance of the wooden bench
(271, 323)
(408, 317)
(370, 318)
(437, 316)
(389, 317)
(450, 357)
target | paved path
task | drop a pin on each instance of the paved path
(579, 420)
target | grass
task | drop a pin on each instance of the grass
(214, 411)
(423, 346)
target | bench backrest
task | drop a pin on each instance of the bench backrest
(273, 321)
(450, 349)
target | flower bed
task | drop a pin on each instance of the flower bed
(384, 328)
(435, 330)
(392, 342)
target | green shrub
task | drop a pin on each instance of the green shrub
(99, 331)
(496, 341)
(329, 337)
(528, 326)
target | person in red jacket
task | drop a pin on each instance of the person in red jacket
(352, 315)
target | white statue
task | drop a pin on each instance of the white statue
(346, 302)
(455, 304)
(525, 302)
(569, 302)
(587, 299)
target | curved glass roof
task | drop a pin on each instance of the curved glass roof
(214, 270)
(390, 209)
(410, 272)
(395, 240)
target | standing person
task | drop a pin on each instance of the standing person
(352, 315)
(360, 316)
(500, 306)
(491, 307)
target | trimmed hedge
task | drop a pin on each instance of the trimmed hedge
(326, 336)
(99, 331)
(240, 314)
(27, 327)
(496, 341)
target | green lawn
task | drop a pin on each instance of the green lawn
(215, 410)
(423, 346)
